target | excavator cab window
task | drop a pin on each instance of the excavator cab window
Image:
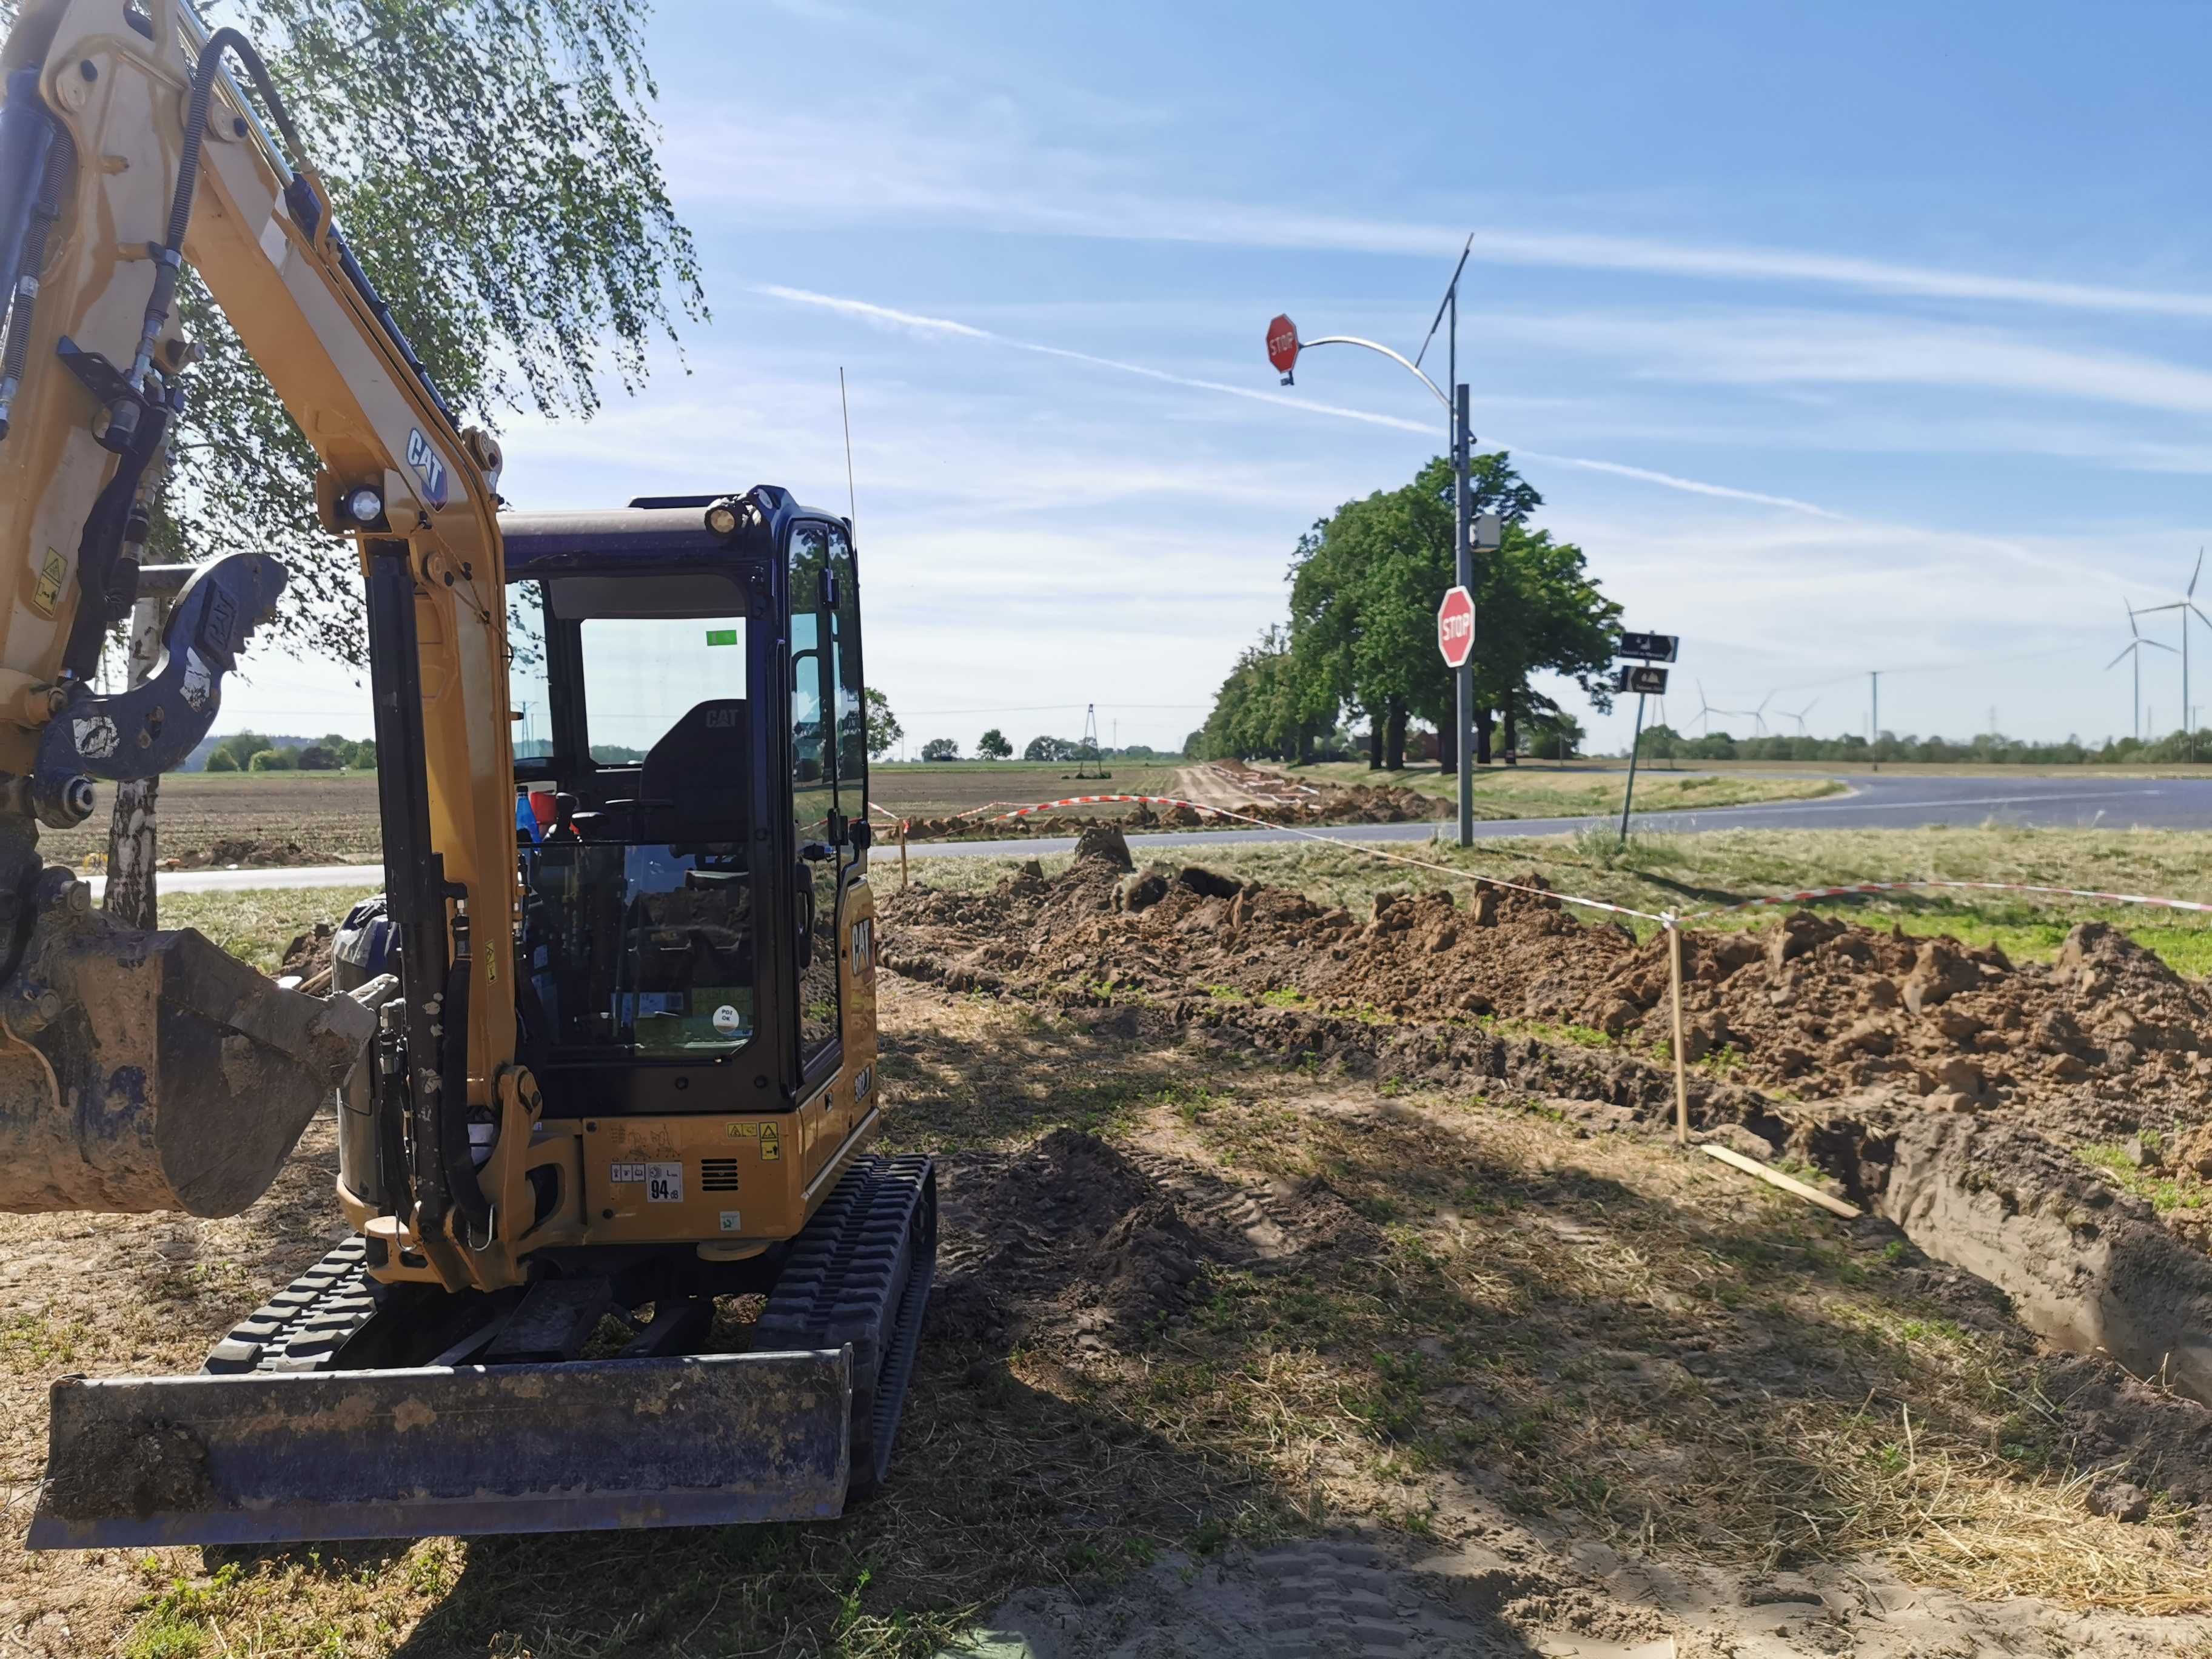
(639, 900)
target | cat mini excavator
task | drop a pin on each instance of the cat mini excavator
(605, 1053)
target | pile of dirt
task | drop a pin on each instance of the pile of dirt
(1348, 804)
(2104, 1044)
(308, 957)
(2105, 1041)
(227, 851)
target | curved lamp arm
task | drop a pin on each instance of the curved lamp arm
(1404, 362)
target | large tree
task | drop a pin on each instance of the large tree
(1364, 584)
(493, 164)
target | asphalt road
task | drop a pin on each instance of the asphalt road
(1875, 803)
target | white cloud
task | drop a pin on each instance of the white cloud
(987, 165)
(1799, 348)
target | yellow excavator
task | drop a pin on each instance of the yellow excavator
(603, 1056)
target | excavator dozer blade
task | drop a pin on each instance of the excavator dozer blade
(585, 1444)
(151, 1071)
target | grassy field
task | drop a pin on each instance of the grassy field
(331, 816)
(256, 926)
(918, 789)
(1689, 873)
(1542, 790)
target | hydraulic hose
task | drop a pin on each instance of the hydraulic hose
(61, 158)
(170, 255)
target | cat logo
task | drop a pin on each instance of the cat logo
(427, 467)
(722, 719)
(863, 946)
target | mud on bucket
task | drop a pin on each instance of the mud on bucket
(151, 1071)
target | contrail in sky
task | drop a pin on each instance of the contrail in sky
(945, 327)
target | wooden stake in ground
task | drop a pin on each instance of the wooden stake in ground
(902, 855)
(1681, 1074)
(1774, 1177)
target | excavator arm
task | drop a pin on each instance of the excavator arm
(141, 1072)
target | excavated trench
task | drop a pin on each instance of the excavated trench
(1944, 1088)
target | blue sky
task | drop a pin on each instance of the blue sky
(1841, 339)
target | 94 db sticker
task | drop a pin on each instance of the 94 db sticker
(664, 1182)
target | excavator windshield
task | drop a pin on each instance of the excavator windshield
(634, 832)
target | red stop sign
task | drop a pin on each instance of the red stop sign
(1456, 627)
(1283, 345)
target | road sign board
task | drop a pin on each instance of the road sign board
(1646, 682)
(1652, 647)
(1456, 627)
(1283, 345)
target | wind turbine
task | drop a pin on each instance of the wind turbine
(1759, 716)
(1800, 716)
(2134, 648)
(1705, 711)
(2186, 604)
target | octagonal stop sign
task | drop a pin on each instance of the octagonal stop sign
(1456, 627)
(1283, 345)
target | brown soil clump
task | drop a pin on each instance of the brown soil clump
(308, 955)
(247, 851)
(2105, 1043)
(1337, 804)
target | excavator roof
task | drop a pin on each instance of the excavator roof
(651, 527)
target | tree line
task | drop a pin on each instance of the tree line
(250, 752)
(1361, 639)
(1990, 749)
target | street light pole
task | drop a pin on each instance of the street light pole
(1460, 440)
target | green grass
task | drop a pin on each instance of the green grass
(255, 926)
(2163, 1193)
(1539, 790)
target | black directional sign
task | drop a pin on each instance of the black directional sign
(1652, 647)
(1647, 681)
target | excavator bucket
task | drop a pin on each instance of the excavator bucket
(150, 1071)
(437, 1450)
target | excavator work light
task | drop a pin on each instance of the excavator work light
(364, 505)
(722, 519)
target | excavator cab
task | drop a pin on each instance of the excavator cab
(691, 768)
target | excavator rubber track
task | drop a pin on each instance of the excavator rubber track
(278, 1442)
(861, 1274)
(304, 1325)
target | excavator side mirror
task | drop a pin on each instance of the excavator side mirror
(860, 835)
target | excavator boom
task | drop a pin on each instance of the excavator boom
(148, 1072)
